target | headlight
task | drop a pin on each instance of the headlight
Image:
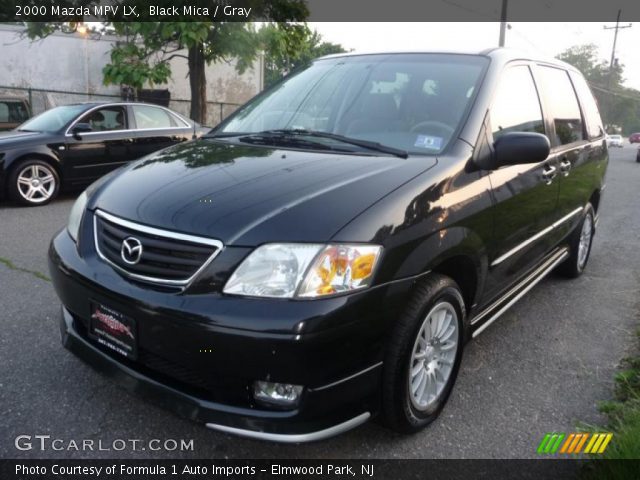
(304, 270)
(75, 217)
(340, 268)
(77, 211)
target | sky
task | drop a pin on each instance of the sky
(546, 39)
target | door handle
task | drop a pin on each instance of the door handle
(565, 166)
(548, 174)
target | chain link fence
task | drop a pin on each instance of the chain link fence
(41, 100)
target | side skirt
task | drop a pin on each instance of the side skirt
(501, 305)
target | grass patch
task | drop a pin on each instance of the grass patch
(10, 265)
(623, 414)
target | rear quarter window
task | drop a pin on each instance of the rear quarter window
(563, 105)
(589, 106)
(152, 118)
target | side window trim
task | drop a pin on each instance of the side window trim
(132, 118)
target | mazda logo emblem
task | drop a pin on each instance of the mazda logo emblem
(131, 250)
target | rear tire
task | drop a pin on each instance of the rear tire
(423, 356)
(580, 243)
(33, 183)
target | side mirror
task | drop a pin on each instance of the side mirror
(515, 148)
(80, 128)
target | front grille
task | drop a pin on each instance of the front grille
(167, 258)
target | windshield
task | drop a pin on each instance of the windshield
(413, 102)
(52, 120)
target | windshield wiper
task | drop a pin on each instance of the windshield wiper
(223, 134)
(378, 147)
(277, 138)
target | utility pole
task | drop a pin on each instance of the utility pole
(612, 61)
(503, 22)
(613, 50)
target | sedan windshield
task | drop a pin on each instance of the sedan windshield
(410, 102)
(52, 120)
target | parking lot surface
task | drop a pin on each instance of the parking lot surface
(542, 367)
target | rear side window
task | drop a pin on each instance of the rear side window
(516, 106)
(589, 106)
(152, 117)
(563, 105)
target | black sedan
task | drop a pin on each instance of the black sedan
(72, 145)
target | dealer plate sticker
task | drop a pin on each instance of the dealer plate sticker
(113, 330)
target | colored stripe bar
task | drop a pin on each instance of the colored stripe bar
(605, 443)
(567, 443)
(596, 446)
(554, 449)
(579, 446)
(594, 437)
(543, 443)
(574, 444)
(550, 443)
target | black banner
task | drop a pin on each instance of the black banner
(319, 469)
(318, 10)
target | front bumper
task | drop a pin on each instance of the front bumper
(292, 342)
(266, 425)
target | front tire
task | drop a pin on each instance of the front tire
(580, 243)
(423, 357)
(33, 183)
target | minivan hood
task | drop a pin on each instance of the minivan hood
(248, 195)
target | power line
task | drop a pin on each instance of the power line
(610, 92)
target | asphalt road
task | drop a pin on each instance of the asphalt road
(542, 367)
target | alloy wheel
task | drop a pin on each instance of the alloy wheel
(36, 183)
(585, 241)
(433, 356)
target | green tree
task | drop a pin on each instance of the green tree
(286, 51)
(144, 55)
(619, 105)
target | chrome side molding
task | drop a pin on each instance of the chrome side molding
(528, 283)
(538, 235)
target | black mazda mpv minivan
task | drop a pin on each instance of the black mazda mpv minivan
(323, 255)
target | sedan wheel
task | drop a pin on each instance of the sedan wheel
(34, 183)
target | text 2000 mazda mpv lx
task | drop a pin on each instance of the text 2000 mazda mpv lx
(323, 255)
